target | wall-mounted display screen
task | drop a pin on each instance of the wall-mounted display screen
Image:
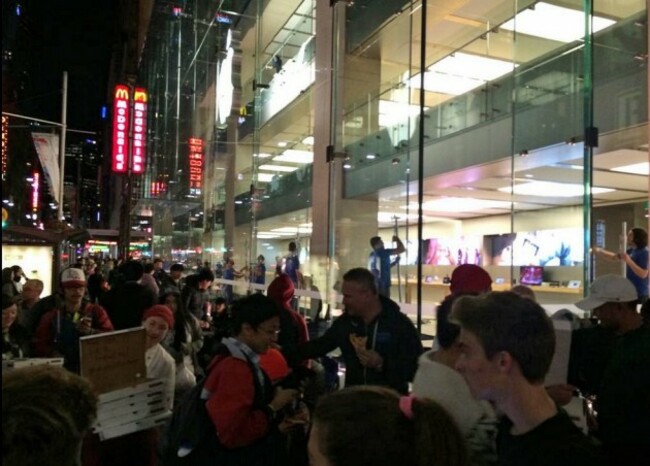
(453, 251)
(562, 246)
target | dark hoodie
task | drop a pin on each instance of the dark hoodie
(293, 329)
(391, 334)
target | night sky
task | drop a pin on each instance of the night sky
(75, 36)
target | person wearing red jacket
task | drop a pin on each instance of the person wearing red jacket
(293, 328)
(247, 412)
(59, 330)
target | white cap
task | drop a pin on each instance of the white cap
(73, 277)
(608, 289)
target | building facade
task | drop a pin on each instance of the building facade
(510, 134)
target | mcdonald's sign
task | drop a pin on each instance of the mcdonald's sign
(120, 128)
(195, 165)
(139, 130)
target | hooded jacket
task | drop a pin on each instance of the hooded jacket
(391, 334)
(293, 328)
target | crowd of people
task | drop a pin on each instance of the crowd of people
(477, 397)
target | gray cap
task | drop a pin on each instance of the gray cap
(608, 289)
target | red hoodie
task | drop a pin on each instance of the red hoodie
(293, 328)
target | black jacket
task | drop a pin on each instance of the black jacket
(391, 334)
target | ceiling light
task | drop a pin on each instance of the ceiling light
(463, 204)
(461, 72)
(642, 168)
(295, 156)
(554, 22)
(282, 144)
(551, 189)
(291, 230)
(267, 236)
(308, 141)
(392, 113)
(278, 168)
(265, 177)
(371, 156)
(472, 66)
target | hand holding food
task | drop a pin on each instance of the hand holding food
(358, 342)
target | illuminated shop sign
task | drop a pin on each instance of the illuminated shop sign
(158, 187)
(120, 128)
(225, 88)
(222, 18)
(5, 145)
(196, 166)
(139, 130)
(36, 184)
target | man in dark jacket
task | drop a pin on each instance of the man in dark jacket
(128, 299)
(379, 344)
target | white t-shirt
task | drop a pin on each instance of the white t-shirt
(160, 365)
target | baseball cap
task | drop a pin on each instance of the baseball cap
(609, 288)
(470, 278)
(72, 277)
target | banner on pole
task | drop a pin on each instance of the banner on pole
(47, 148)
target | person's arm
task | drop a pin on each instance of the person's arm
(329, 341)
(638, 268)
(400, 246)
(605, 254)
(102, 321)
(402, 364)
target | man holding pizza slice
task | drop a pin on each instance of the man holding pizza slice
(379, 344)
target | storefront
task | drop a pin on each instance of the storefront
(493, 132)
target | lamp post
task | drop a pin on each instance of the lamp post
(64, 119)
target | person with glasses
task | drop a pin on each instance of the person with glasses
(246, 411)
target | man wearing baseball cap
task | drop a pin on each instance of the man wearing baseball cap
(59, 329)
(621, 379)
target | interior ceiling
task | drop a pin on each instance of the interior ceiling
(466, 22)
(483, 182)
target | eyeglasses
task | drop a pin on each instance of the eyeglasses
(269, 331)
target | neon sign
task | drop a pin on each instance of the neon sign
(35, 189)
(5, 145)
(139, 130)
(196, 166)
(120, 128)
(158, 187)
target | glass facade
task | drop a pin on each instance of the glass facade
(501, 133)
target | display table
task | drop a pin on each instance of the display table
(435, 292)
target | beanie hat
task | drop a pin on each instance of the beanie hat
(470, 278)
(162, 311)
(71, 278)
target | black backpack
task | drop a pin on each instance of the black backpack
(190, 438)
(190, 432)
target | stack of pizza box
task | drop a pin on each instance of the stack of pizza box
(115, 365)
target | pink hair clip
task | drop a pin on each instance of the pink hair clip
(406, 406)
